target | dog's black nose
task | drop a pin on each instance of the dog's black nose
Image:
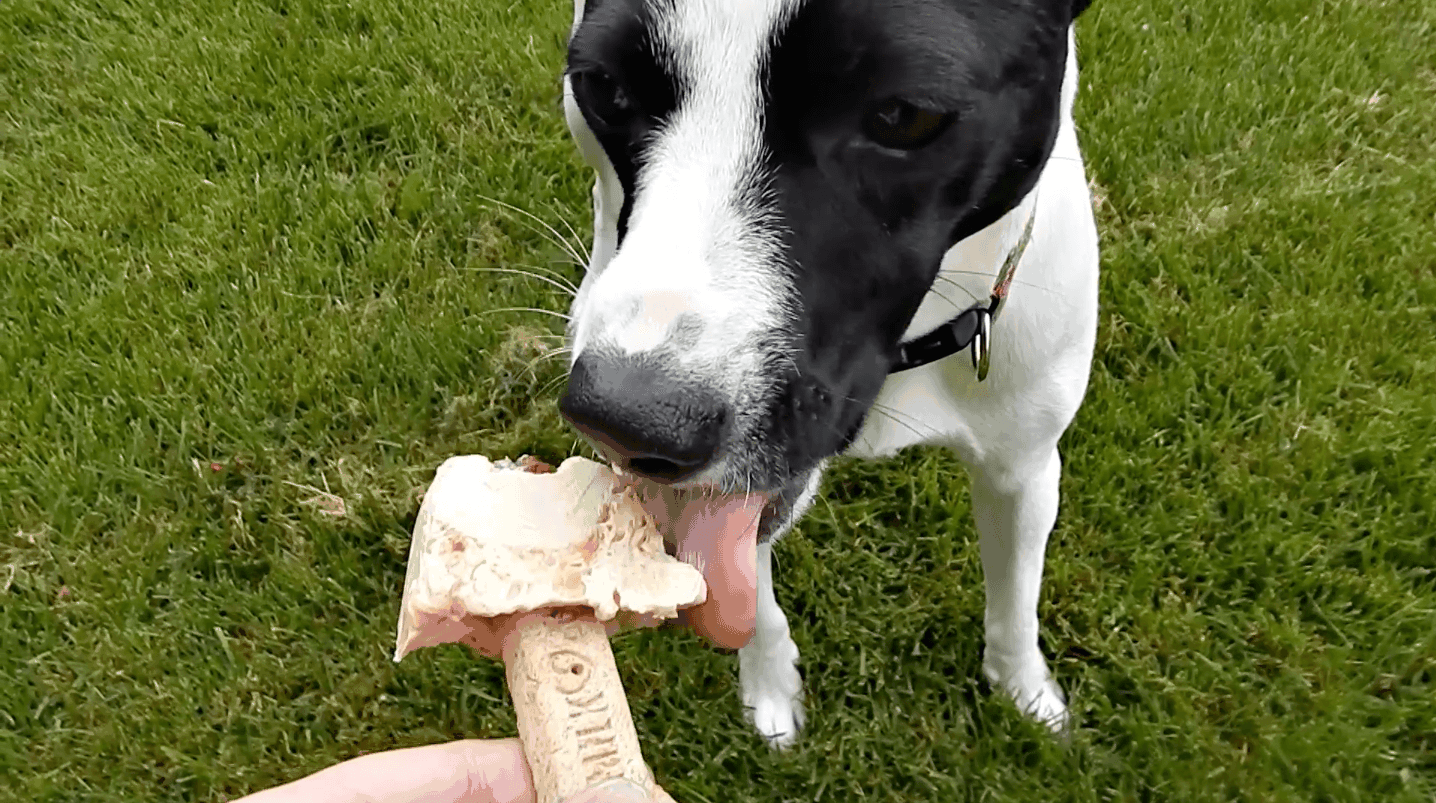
(656, 424)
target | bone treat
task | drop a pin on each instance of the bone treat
(530, 565)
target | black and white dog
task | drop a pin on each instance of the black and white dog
(808, 211)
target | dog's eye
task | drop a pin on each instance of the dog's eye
(603, 99)
(902, 126)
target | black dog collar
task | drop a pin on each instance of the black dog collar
(972, 327)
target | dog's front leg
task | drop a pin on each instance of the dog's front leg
(767, 667)
(1015, 508)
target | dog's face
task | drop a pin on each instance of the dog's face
(779, 181)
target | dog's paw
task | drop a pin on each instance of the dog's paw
(1035, 693)
(772, 690)
(1048, 706)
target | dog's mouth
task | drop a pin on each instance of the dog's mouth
(718, 534)
(710, 516)
(713, 530)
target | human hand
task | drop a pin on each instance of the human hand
(466, 771)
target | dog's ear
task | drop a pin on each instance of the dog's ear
(1078, 6)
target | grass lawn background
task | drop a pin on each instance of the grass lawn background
(243, 281)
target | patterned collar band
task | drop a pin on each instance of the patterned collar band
(972, 327)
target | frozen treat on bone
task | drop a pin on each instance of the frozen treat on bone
(496, 538)
(530, 565)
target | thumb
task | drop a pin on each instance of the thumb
(466, 771)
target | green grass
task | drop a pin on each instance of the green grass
(240, 263)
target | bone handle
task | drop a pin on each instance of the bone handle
(573, 717)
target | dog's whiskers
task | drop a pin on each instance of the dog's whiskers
(892, 414)
(568, 289)
(579, 253)
(950, 301)
(526, 309)
(549, 385)
(576, 238)
(954, 283)
(949, 280)
(550, 271)
(548, 355)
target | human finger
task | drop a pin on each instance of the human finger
(465, 771)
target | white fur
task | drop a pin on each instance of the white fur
(693, 250)
(696, 256)
(767, 667)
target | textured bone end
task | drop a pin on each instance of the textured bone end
(573, 718)
(495, 538)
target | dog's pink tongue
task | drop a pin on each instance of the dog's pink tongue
(719, 535)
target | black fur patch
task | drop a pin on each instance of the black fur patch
(616, 39)
(865, 226)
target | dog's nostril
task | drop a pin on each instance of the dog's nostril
(659, 426)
